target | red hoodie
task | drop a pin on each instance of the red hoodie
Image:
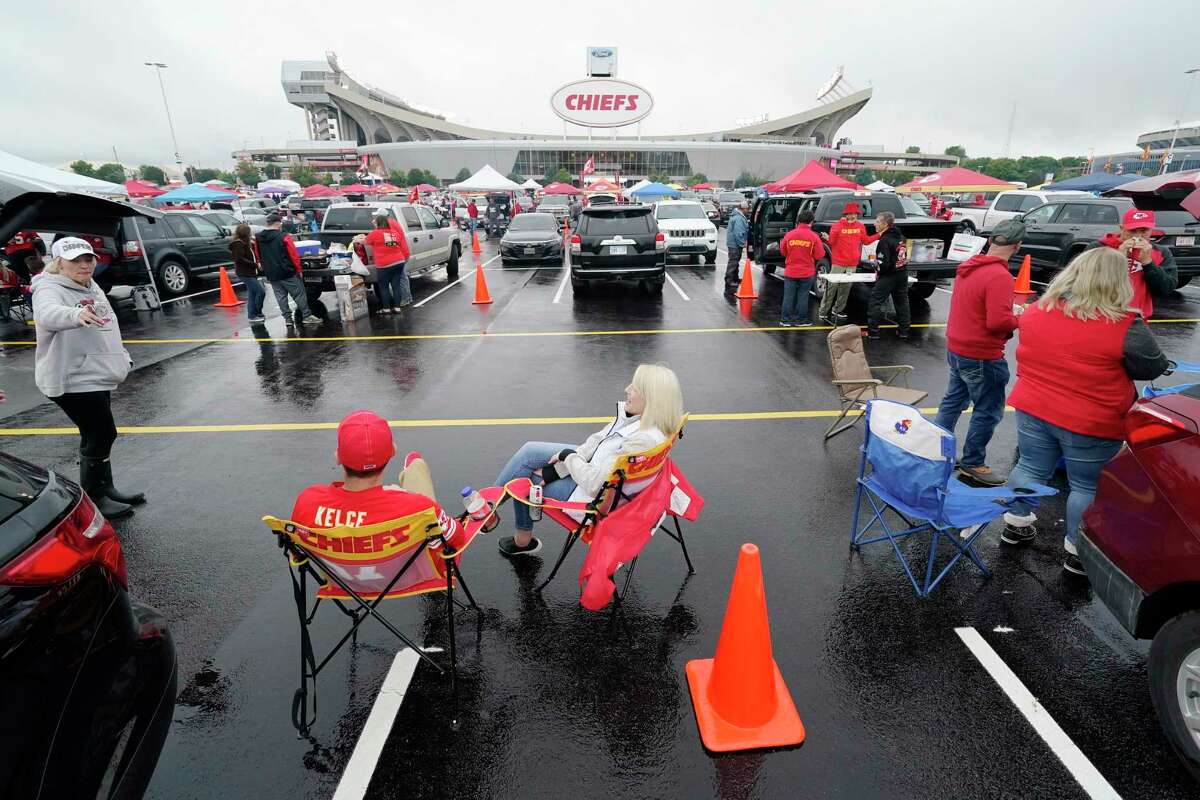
(981, 317)
(1141, 292)
(801, 249)
(846, 240)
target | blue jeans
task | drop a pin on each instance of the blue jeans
(981, 383)
(1042, 444)
(392, 285)
(255, 295)
(795, 299)
(533, 456)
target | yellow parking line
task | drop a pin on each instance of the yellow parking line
(484, 422)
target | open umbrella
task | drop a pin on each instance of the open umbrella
(953, 180)
(812, 175)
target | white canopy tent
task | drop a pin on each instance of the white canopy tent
(531, 184)
(629, 192)
(487, 179)
(279, 183)
(880, 186)
(15, 167)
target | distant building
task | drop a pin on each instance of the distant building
(1154, 145)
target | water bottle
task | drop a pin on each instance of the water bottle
(478, 508)
(535, 502)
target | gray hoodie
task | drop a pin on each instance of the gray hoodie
(70, 356)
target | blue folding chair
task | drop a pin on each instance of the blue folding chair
(911, 463)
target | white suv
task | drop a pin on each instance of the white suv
(687, 229)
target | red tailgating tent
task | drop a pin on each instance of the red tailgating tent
(358, 188)
(704, 186)
(142, 189)
(603, 186)
(319, 190)
(561, 188)
(425, 187)
(812, 175)
(955, 179)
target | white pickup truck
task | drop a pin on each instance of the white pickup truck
(1006, 205)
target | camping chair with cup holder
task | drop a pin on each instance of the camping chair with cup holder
(856, 380)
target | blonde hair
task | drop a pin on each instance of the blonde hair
(1094, 285)
(53, 266)
(664, 399)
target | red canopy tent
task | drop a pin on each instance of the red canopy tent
(955, 179)
(603, 186)
(319, 190)
(425, 187)
(561, 188)
(812, 175)
(358, 188)
(138, 189)
(385, 188)
(704, 186)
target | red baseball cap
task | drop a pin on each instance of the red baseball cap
(1137, 218)
(852, 208)
(364, 442)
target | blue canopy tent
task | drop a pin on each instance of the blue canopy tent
(194, 193)
(652, 191)
(1095, 182)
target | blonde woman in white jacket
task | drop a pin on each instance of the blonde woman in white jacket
(651, 412)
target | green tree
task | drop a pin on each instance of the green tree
(912, 148)
(956, 150)
(113, 173)
(149, 172)
(864, 176)
(272, 171)
(229, 177)
(697, 177)
(347, 178)
(201, 174)
(304, 176)
(416, 176)
(658, 176)
(747, 178)
(82, 167)
(560, 175)
(327, 178)
(514, 177)
(247, 173)
(462, 175)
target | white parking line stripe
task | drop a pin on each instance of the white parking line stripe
(461, 278)
(671, 281)
(361, 767)
(1068, 753)
(563, 283)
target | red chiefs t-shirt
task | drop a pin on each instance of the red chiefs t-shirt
(389, 246)
(332, 505)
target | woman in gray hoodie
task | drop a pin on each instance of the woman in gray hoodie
(80, 360)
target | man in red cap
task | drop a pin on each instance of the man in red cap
(364, 448)
(846, 238)
(1152, 269)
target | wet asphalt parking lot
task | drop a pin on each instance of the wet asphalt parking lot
(227, 423)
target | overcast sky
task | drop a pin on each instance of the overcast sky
(1082, 74)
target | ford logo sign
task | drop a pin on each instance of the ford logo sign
(601, 52)
(601, 103)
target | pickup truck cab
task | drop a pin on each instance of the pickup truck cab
(773, 216)
(979, 221)
(431, 240)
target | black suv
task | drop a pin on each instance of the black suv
(773, 216)
(615, 242)
(1057, 232)
(727, 201)
(180, 246)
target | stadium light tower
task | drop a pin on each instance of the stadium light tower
(158, 68)
(1166, 162)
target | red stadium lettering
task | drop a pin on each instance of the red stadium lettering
(570, 102)
(618, 101)
(632, 102)
(606, 102)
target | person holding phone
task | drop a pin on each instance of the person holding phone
(1152, 269)
(79, 361)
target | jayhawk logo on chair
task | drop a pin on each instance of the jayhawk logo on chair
(903, 425)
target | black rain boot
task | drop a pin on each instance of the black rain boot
(90, 480)
(113, 493)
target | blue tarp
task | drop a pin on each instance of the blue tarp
(194, 193)
(655, 190)
(1095, 182)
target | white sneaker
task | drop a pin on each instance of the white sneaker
(1018, 521)
(1070, 547)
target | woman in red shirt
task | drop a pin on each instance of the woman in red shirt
(1081, 347)
(389, 252)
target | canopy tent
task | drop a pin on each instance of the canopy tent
(531, 184)
(279, 183)
(16, 167)
(1096, 182)
(955, 179)
(603, 186)
(273, 191)
(384, 188)
(428, 187)
(629, 192)
(194, 193)
(704, 186)
(139, 189)
(318, 190)
(359, 188)
(653, 190)
(561, 188)
(812, 175)
(675, 186)
(487, 179)
(880, 186)
(217, 184)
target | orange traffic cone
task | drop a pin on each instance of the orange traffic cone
(746, 289)
(475, 243)
(740, 698)
(1022, 291)
(482, 297)
(228, 298)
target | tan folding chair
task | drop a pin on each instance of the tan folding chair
(855, 379)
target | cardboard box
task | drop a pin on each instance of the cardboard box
(351, 297)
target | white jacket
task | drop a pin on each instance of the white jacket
(596, 457)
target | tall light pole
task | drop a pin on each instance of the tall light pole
(1179, 120)
(158, 68)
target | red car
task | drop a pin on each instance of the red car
(1140, 544)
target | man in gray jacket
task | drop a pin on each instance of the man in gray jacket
(737, 230)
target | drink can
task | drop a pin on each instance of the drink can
(535, 502)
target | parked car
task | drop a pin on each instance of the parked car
(772, 217)
(1005, 205)
(1180, 231)
(601, 199)
(618, 243)
(727, 201)
(1058, 231)
(531, 236)
(556, 204)
(431, 240)
(688, 230)
(87, 673)
(180, 247)
(711, 211)
(315, 207)
(1140, 545)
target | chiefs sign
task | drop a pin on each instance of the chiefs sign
(601, 103)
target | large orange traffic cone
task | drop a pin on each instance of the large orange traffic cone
(475, 243)
(1022, 291)
(740, 698)
(482, 297)
(746, 289)
(228, 299)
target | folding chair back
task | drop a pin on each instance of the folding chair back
(635, 471)
(911, 458)
(857, 381)
(848, 359)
